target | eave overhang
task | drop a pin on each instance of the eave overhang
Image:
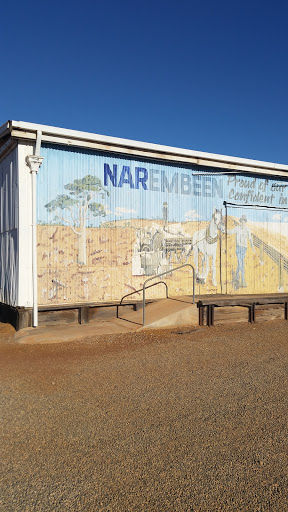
(18, 130)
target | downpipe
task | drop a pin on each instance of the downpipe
(34, 162)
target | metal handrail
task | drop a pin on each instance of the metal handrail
(158, 282)
(163, 274)
(141, 290)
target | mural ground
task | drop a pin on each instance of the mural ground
(151, 421)
(108, 273)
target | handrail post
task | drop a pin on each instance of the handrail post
(163, 274)
(193, 285)
(159, 282)
(144, 289)
(144, 303)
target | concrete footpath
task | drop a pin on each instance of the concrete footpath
(166, 313)
(74, 332)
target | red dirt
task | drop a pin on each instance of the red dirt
(151, 421)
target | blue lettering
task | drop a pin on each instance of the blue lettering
(165, 183)
(196, 186)
(112, 176)
(207, 187)
(141, 179)
(126, 177)
(217, 186)
(158, 180)
(185, 184)
(154, 181)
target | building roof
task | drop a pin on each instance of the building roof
(17, 130)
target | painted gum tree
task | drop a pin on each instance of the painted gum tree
(79, 205)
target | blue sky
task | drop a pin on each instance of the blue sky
(209, 76)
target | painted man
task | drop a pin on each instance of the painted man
(243, 234)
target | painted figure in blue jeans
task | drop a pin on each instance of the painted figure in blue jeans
(243, 234)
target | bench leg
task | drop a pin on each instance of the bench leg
(286, 310)
(23, 319)
(83, 315)
(201, 315)
(251, 310)
(210, 315)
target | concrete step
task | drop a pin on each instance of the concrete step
(172, 312)
(76, 332)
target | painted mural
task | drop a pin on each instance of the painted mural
(107, 223)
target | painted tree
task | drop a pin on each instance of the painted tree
(78, 206)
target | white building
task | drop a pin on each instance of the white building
(84, 218)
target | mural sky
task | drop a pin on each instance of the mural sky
(138, 189)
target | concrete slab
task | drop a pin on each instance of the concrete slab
(162, 314)
(172, 312)
(76, 332)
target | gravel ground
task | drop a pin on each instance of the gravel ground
(153, 421)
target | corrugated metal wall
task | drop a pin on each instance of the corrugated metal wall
(106, 223)
(261, 266)
(9, 229)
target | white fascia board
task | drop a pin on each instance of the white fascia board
(71, 136)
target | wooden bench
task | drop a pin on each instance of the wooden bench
(21, 317)
(83, 309)
(248, 301)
